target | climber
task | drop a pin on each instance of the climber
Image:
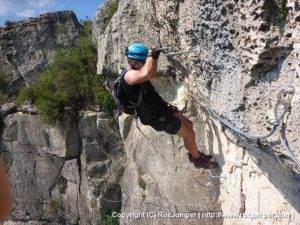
(134, 94)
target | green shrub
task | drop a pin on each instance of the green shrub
(109, 220)
(243, 16)
(71, 81)
(2, 98)
(61, 28)
(104, 97)
(281, 18)
(275, 13)
(111, 9)
(87, 28)
(142, 183)
(144, 197)
(2, 80)
(117, 168)
(3, 85)
(55, 204)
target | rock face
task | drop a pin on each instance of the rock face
(61, 173)
(26, 47)
(158, 178)
(64, 173)
(248, 51)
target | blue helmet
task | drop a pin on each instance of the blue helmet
(137, 51)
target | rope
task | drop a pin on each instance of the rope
(284, 98)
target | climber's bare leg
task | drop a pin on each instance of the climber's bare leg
(187, 132)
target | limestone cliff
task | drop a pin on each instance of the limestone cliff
(26, 47)
(247, 52)
(67, 172)
(61, 174)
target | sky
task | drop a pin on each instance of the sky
(15, 10)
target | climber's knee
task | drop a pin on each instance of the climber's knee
(184, 120)
(186, 130)
(191, 125)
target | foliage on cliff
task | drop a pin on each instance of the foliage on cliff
(105, 14)
(2, 86)
(111, 9)
(71, 81)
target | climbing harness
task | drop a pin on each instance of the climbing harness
(127, 107)
(284, 98)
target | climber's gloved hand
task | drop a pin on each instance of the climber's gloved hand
(154, 53)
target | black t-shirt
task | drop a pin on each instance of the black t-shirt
(151, 106)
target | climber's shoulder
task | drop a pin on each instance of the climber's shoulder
(133, 77)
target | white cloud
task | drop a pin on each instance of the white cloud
(42, 4)
(26, 13)
(26, 8)
(5, 7)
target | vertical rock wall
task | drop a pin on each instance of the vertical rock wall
(64, 173)
(248, 51)
(61, 173)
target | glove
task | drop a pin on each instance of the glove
(154, 53)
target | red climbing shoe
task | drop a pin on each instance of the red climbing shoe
(203, 162)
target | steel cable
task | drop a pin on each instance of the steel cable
(284, 98)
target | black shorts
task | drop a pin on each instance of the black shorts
(167, 122)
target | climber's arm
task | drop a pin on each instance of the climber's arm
(147, 72)
(154, 68)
